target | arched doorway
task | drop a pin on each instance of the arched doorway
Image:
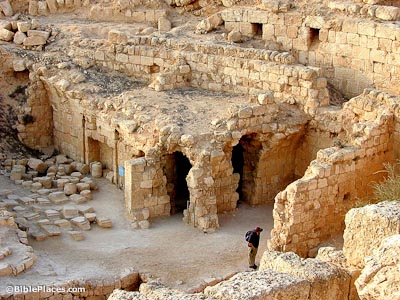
(245, 158)
(176, 168)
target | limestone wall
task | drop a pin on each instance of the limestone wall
(214, 67)
(82, 289)
(269, 154)
(353, 53)
(39, 133)
(43, 8)
(326, 280)
(312, 209)
(146, 187)
(322, 131)
(67, 122)
(380, 278)
(19, 5)
(366, 227)
(112, 13)
(267, 284)
(30, 102)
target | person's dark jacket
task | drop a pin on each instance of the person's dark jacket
(254, 239)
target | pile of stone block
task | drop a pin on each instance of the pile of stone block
(60, 189)
(24, 33)
(370, 9)
(276, 6)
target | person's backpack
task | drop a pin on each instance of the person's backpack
(248, 235)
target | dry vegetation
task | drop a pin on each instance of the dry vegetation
(389, 189)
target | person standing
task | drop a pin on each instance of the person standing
(253, 242)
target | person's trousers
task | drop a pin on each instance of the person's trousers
(252, 256)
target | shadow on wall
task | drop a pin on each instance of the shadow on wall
(176, 168)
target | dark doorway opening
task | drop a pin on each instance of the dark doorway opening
(176, 168)
(245, 157)
(257, 29)
(313, 37)
(238, 164)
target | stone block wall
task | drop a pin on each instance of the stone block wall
(380, 278)
(211, 181)
(43, 8)
(269, 153)
(147, 187)
(215, 67)
(366, 227)
(322, 131)
(105, 11)
(38, 134)
(18, 5)
(326, 280)
(312, 209)
(68, 130)
(353, 53)
(225, 182)
(82, 289)
(113, 13)
(259, 285)
(77, 133)
(31, 102)
(396, 135)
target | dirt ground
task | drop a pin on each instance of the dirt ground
(180, 255)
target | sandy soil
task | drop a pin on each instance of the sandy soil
(169, 250)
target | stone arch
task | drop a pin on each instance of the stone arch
(245, 158)
(266, 164)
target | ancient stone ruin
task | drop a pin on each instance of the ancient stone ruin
(192, 107)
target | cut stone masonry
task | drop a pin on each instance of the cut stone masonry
(188, 122)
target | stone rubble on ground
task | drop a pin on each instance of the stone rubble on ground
(57, 205)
